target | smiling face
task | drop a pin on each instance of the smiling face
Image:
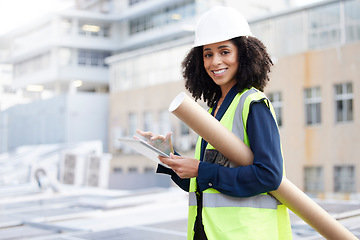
(221, 63)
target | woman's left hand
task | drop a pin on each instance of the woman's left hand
(184, 167)
(163, 143)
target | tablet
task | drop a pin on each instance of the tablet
(145, 149)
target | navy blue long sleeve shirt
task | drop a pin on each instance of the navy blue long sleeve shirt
(264, 175)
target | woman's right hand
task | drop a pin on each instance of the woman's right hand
(163, 143)
(184, 167)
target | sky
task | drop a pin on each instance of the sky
(14, 13)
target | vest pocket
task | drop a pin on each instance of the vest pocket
(214, 156)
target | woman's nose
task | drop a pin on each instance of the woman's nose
(216, 60)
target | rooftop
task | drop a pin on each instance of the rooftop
(79, 213)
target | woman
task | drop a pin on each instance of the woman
(228, 68)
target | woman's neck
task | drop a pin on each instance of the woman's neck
(225, 89)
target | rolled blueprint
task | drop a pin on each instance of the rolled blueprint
(199, 120)
(310, 212)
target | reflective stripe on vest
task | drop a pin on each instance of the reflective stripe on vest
(238, 128)
(221, 200)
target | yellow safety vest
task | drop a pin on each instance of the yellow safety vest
(228, 218)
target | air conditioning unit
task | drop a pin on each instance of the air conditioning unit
(97, 170)
(72, 169)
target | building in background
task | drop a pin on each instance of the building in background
(314, 87)
(60, 80)
(315, 90)
(108, 67)
(8, 96)
(58, 66)
(145, 73)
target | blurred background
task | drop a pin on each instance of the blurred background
(75, 75)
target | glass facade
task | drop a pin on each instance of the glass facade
(352, 20)
(158, 67)
(331, 24)
(324, 26)
(293, 32)
(92, 58)
(162, 17)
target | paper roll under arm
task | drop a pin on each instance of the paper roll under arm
(199, 120)
(310, 212)
(193, 115)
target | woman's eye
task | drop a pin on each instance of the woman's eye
(207, 55)
(225, 52)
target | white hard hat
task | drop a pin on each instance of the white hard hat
(220, 24)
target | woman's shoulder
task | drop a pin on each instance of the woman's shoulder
(250, 95)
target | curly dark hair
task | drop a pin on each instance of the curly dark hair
(254, 67)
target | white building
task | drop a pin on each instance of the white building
(8, 95)
(58, 63)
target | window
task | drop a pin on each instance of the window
(132, 124)
(343, 102)
(314, 179)
(164, 122)
(162, 17)
(149, 170)
(276, 101)
(94, 30)
(352, 20)
(92, 58)
(148, 121)
(133, 170)
(344, 179)
(312, 100)
(324, 25)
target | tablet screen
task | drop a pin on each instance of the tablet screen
(145, 149)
